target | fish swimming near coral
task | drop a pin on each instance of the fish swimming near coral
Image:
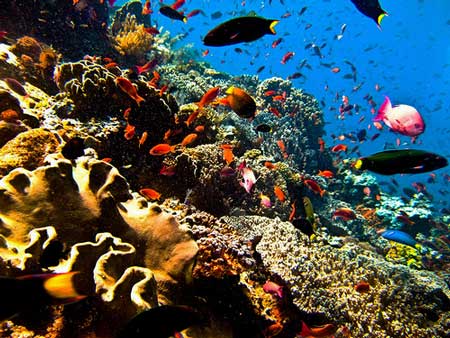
(237, 30)
(371, 9)
(29, 293)
(399, 237)
(240, 102)
(249, 179)
(273, 288)
(321, 331)
(73, 148)
(161, 322)
(127, 87)
(172, 13)
(405, 161)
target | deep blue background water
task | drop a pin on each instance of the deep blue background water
(409, 58)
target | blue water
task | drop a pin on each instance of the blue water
(409, 58)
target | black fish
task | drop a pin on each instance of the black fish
(371, 9)
(303, 225)
(172, 13)
(242, 29)
(74, 148)
(28, 293)
(263, 128)
(361, 135)
(161, 322)
(407, 161)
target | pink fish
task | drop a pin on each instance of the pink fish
(273, 289)
(402, 119)
(265, 200)
(249, 179)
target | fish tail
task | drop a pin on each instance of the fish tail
(272, 25)
(358, 164)
(380, 18)
(139, 99)
(61, 288)
(184, 20)
(384, 109)
(323, 192)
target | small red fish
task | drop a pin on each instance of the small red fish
(177, 4)
(292, 214)
(129, 132)
(161, 149)
(151, 30)
(287, 57)
(189, 139)
(362, 287)
(335, 70)
(128, 88)
(275, 111)
(339, 147)
(208, 97)
(147, 67)
(227, 153)
(146, 10)
(276, 42)
(273, 289)
(315, 187)
(151, 194)
(326, 173)
(344, 213)
(279, 193)
(319, 332)
(167, 170)
(193, 13)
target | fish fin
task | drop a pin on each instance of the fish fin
(185, 20)
(380, 18)
(323, 192)
(306, 331)
(272, 25)
(384, 109)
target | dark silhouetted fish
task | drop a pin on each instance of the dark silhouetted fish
(74, 148)
(161, 322)
(29, 293)
(371, 9)
(303, 225)
(242, 29)
(172, 13)
(405, 161)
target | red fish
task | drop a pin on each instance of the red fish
(276, 42)
(129, 132)
(326, 173)
(362, 287)
(339, 147)
(193, 13)
(177, 4)
(273, 289)
(275, 111)
(150, 193)
(128, 88)
(161, 149)
(227, 153)
(344, 213)
(208, 97)
(287, 57)
(315, 187)
(167, 170)
(151, 30)
(279, 193)
(147, 67)
(324, 331)
(146, 10)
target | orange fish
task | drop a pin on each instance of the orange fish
(273, 330)
(270, 93)
(208, 97)
(106, 159)
(270, 165)
(146, 10)
(326, 173)
(147, 67)
(241, 102)
(163, 89)
(128, 88)
(143, 138)
(188, 139)
(227, 153)
(200, 129)
(339, 147)
(129, 132)
(111, 65)
(275, 111)
(150, 194)
(126, 113)
(378, 125)
(314, 186)
(162, 149)
(151, 30)
(292, 214)
(335, 70)
(279, 193)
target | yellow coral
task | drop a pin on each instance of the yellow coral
(133, 40)
(404, 254)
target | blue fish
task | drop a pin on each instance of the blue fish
(399, 237)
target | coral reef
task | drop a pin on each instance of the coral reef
(72, 30)
(320, 279)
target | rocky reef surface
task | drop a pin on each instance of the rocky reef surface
(205, 241)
